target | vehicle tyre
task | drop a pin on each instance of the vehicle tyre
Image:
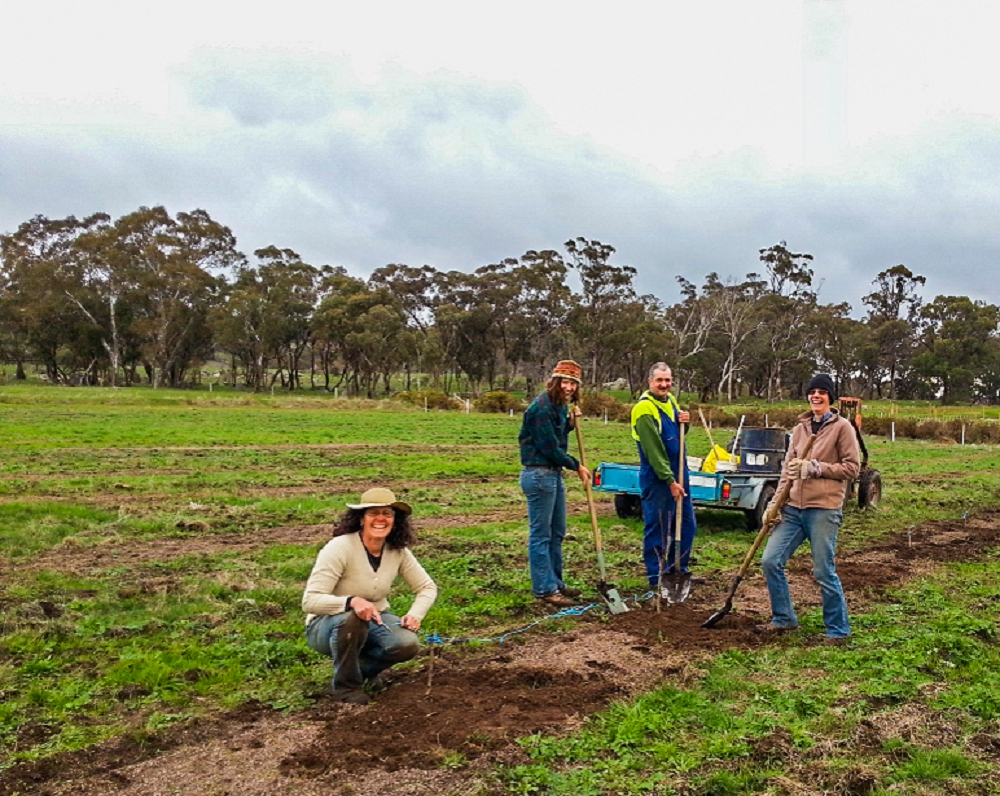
(628, 506)
(869, 488)
(755, 516)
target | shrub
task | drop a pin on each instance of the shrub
(719, 418)
(435, 399)
(597, 403)
(498, 401)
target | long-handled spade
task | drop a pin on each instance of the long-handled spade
(768, 526)
(606, 590)
(676, 584)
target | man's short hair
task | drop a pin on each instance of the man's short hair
(658, 366)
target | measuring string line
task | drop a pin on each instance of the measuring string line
(578, 610)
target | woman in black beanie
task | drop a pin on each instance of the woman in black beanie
(814, 509)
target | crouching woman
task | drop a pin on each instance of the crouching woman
(345, 597)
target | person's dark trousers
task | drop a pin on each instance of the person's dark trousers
(658, 514)
(360, 649)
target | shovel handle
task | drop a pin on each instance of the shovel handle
(679, 518)
(707, 429)
(779, 501)
(590, 502)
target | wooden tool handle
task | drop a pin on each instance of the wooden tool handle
(590, 499)
(779, 501)
(707, 429)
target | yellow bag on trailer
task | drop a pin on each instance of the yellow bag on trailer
(716, 455)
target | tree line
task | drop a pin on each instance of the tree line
(153, 297)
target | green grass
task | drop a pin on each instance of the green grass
(709, 738)
(162, 639)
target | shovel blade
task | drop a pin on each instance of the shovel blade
(675, 587)
(611, 596)
(718, 616)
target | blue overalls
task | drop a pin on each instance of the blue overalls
(659, 506)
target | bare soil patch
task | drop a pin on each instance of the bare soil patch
(474, 703)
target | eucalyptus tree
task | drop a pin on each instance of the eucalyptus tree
(240, 322)
(416, 290)
(598, 317)
(537, 333)
(46, 299)
(736, 321)
(292, 290)
(362, 330)
(894, 321)
(957, 344)
(528, 302)
(379, 342)
(785, 307)
(467, 325)
(840, 342)
(267, 316)
(333, 320)
(692, 322)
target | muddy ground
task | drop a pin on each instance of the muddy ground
(467, 706)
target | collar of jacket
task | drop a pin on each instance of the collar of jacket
(670, 406)
(829, 417)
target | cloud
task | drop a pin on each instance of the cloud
(457, 173)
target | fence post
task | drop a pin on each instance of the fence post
(425, 403)
(963, 433)
(893, 435)
(605, 417)
(466, 406)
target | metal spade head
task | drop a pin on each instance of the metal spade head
(675, 587)
(718, 616)
(612, 598)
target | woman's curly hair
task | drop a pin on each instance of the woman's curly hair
(399, 537)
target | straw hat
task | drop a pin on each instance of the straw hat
(380, 496)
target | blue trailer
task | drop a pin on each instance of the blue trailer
(748, 488)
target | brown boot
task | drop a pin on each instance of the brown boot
(558, 600)
(351, 637)
(352, 696)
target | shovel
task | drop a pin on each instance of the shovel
(676, 585)
(606, 590)
(779, 501)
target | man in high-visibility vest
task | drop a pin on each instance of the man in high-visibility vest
(656, 419)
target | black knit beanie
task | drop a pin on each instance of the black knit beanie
(821, 381)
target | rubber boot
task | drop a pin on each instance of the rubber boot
(348, 684)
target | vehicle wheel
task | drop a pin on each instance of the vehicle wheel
(869, 488)
(755, 516)
(628, 506)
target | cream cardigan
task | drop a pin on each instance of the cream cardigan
(342, 570)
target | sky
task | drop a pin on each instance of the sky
(687, 135)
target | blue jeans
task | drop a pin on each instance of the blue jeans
(546, 494)
(360, 649)
(820, 527)
(659, 512)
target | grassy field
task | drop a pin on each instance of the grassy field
(154, 546)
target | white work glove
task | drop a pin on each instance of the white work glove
(771, 514)
(802, 469)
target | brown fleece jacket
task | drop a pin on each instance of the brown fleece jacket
(836, 450)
